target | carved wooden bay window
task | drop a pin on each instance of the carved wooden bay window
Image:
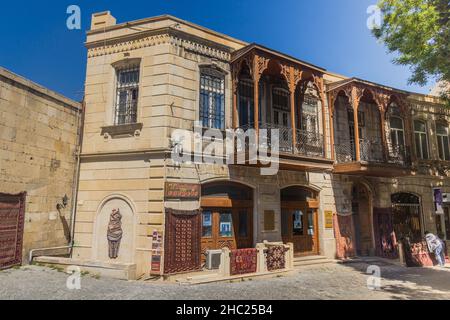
(212, 99)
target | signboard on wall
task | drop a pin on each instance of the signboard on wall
(174, 190)
(328, 219)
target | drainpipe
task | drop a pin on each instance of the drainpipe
(76, 181)
(75, 185)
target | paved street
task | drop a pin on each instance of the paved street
(323, 282)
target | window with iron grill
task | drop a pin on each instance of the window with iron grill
(212, 99)
(127, 95)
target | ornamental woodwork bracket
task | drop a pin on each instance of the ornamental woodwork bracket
(381, 99)
(260, 64)
(354, 95)
(292, 75)
(318, 82)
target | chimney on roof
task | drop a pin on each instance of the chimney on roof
(102, 20)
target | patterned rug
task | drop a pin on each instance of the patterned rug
(418, 255)
(276, 259)
(182, 241)
(243, 261)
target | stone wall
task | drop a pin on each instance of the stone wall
(39, 132)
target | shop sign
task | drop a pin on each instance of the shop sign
(175, 190)
(328, 219)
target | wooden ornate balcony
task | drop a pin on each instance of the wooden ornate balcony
(307, 152)
(373, 161)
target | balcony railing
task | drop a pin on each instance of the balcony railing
(399, 155)
(309, 144)
(371, 151)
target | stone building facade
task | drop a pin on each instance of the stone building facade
(39, 141)
(346, 153)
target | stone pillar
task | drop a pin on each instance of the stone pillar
(225, 263)
(261, 265)
(290, 256)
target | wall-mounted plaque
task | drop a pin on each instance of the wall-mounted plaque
(328, 219)
(176, 190)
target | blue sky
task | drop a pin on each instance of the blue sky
(328, 33)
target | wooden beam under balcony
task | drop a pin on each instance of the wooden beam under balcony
(294, 162)
(384, 170)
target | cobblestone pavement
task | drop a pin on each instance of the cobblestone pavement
(318, 282)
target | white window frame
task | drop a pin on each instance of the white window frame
(441, 142)
(421, 133)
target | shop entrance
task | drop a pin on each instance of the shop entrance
(299, 220)
(407, 217)
(227, 216)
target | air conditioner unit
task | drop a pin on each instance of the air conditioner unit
(446, 197)
(213, 259)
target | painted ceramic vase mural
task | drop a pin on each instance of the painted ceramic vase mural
(115, 234)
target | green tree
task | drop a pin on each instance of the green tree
(418, 31)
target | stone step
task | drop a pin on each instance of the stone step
(311, 261)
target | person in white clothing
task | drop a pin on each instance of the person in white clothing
(436, 246)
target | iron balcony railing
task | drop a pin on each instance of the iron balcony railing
(371, 151)
(309, 144)
(398, 154)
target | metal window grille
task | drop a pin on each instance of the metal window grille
(212, 100)
(127, 95)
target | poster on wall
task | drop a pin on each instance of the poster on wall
(439, 201)
(157, 250)
(225, 229)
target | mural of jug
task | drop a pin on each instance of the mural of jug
(114, 239)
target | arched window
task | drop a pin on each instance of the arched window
(421, 139)
(397, 134)
(443, 141)
(212, 98)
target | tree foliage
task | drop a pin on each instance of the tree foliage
(418, 31)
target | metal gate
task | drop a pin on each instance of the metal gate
(12, 217)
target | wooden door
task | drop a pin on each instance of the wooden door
(300, 226)
(226, 228)
(12, 216)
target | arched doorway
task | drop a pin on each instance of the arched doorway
(299, 220)
(362, 213)
(227, 216)
(407, 216)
